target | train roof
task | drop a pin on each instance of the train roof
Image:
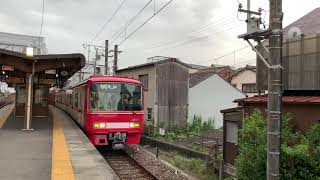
(97, 78)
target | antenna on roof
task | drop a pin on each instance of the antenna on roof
(293, 33)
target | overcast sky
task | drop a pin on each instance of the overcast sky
(196, 31)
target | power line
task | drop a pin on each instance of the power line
(214, 59)
(40, 33)
(145, 22)
(181, 42)
(108, 21)
(117, 34)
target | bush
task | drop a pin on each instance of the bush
(300, 154)
(251, 162)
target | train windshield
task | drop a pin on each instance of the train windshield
(115, 97)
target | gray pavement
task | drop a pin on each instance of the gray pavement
(23, 154)
(86, 161)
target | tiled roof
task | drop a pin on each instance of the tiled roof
(155, 63)
(285, 99)
(197, 66)
(308, 24)
(247, 67)
(199, 76)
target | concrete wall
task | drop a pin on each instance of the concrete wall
(245, 77)
(210, 96)
(149, 95)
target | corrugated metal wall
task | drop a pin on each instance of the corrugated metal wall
(301, 60)
(172, 94)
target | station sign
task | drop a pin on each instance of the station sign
(15, 80)
(47, 81)
(50, 71)
(7, 68)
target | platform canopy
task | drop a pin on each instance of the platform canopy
(48, 68)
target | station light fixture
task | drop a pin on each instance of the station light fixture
(29, 51)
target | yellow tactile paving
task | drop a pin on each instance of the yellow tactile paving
(61, 163)
(5, 113)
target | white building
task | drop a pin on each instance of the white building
(19, 43)
(208, 94)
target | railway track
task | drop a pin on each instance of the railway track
(126, 167)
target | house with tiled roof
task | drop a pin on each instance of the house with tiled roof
(208, 94)
(245, 80)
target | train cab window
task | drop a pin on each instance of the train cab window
(115, 97)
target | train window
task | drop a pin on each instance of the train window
(75, 100)
(115, 97)
(149, 115)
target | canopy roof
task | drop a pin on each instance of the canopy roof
(70, 63)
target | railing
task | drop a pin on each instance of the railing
(5, 100)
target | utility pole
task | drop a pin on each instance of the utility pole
(95, 61)
(273, 62)
(274, 90)
(106, 57)
(115, 62)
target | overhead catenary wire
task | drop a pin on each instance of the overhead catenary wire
(227, 54)
(108, 21)
(220, 24)
(118, 33)
(132, 33)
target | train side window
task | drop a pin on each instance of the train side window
(149, 115)
(76, 99)
(70, 96)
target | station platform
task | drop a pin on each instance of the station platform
(56, 149)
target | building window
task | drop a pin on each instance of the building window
(232, 132)
(149, 115)
(249, 88)
(144, 79)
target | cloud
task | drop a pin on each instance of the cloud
(215, 27)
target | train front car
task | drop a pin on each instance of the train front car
(114, 110)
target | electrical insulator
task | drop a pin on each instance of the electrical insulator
(240, 6)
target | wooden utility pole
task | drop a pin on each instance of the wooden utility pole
(106, 58)
(275, 88)
(115, 62)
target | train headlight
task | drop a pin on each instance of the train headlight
(134, 125)
(99, 125)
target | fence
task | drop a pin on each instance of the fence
(207, 141)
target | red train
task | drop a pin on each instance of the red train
(109, 109)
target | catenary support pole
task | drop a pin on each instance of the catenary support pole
(115, 65)
(106, 58)
(274, 91)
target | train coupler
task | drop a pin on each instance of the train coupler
(118, 137)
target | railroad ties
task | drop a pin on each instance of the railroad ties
(126, 167)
